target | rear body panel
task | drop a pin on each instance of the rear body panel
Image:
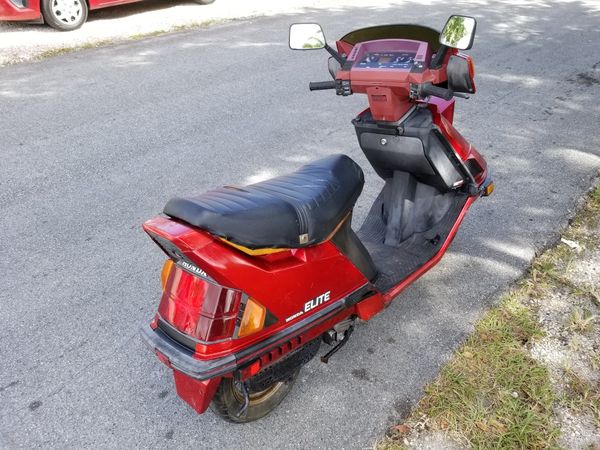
(284, 282)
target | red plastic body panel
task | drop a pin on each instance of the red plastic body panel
(197, 394)
(96, 4)
(9, 11)
(443, 107)
(282, 284)
(388, 89)
(461, 146)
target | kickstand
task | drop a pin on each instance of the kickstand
(334, 350)
(244, 407)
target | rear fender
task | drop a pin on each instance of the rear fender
(198, 394)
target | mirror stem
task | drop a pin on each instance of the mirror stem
(438, 59)
(335, 54)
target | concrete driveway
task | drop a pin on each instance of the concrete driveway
(95, 142)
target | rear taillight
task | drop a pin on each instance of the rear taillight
(198, 306)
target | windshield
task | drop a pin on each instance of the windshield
(395, 31)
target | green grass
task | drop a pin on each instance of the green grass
(492, 394)
(69, 49)
(581, 395)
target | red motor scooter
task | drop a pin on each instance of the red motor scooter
(258, 276)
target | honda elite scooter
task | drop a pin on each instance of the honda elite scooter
(258, 276)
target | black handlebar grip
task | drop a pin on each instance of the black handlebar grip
(321, 85)
(436, 91)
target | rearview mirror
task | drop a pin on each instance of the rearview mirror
(306, 36)
(459, 32)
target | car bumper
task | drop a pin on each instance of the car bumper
(22, 10)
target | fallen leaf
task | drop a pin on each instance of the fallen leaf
(402, 429)
(443, 424)
(468, 354)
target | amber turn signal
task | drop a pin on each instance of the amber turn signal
(253, 319)
(164, 274)
(488, 190)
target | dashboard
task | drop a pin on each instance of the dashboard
(387, 60)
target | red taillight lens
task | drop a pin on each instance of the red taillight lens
(198, 307)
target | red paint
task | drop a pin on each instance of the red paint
(282, 285)
(388, 89)
(369, 307)
(443, 107)
(163, 359)
(198, 394)
(9, 11)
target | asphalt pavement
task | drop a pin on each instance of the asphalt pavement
(95, 142)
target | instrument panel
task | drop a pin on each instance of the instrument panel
(387, 60)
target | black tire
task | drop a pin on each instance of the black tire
(64, 15)
(228, 399)
(204, 2)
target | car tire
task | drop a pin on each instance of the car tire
(64, 15)
(204, 2)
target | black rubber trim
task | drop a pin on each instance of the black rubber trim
(183, 360)
(360, 294)
(177, 336)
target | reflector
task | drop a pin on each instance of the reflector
(253, 319)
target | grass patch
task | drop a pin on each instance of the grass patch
(64, 50)
(492, 394)
(588, 218)
(580, 395)
(178, 28)
(56, 52)
(581, 320)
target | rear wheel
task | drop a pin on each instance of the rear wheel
(229, 399)
(64, 15)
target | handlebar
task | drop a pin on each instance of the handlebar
(427, 89)
(321, 85)
(421, 91)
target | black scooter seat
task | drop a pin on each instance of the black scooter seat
(290, 211)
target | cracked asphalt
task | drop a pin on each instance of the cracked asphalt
(95, 142)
